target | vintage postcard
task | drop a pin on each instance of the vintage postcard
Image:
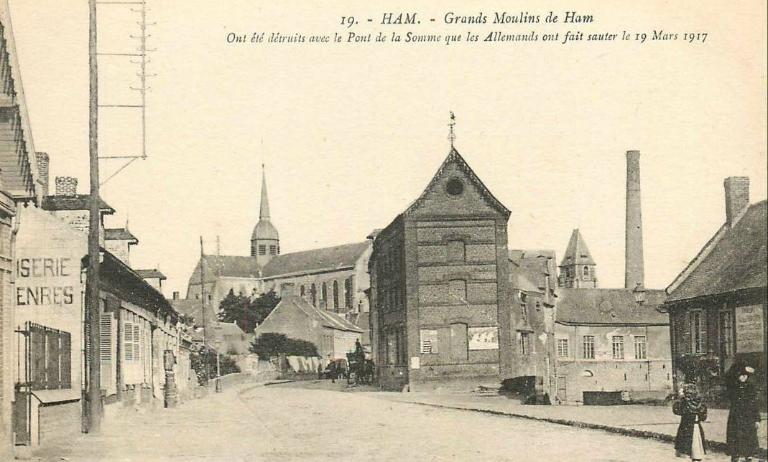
(247, 230)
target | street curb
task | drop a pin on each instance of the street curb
(717, 446)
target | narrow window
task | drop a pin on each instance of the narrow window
(726, 334)
(262, 249)
(641, 347)
(588, 344)
(562, 348)
(273, 250)
(525, 343)
(324, 295)
(585, 271)
(313, 294)
(302, 290)
(698, 332)
(336, 296)
(618, 347)
(348, 294)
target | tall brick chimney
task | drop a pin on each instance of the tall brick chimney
(43, 168)
(736, 196)
(634, 272)
(66, 186)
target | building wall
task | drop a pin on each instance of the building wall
(293, 323)
(6, 327)
(649, 377)
(532, 317)
(120, 249)
(443, 280)
(49, 291)
(388, 313)
(746, 341)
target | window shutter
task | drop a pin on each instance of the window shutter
(65, 353)
(52, 360)
(105, 337)
(136, 343)
(128, 341)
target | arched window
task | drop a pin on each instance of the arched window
(336, 296)
(585, 272)
(324, 296)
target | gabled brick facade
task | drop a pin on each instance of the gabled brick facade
(440, 284)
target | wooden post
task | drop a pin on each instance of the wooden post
(92, 417)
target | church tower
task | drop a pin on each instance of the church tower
(265, 242)
(577, 270)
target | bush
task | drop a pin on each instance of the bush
(204, 365)
(270, 345)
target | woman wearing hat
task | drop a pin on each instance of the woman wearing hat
(690, 434)
(744, 417)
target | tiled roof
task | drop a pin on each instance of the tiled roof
(531, 268)
(119, 234)
(226, 266)
(609, 306)
(76, 202)
(735, 261)
(124, 282)
(316, 260)
(191, 307)
(151, 274)
(325, 318)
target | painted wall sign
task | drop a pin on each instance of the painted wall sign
(46, 280)
(483, 338)
(750, 327)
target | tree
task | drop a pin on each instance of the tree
(271, 344)
(247, 312)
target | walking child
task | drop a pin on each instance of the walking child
(690, 434)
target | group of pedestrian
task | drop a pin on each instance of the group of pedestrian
(743, 417)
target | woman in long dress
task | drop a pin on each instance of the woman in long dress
(744, 417)
(692, 411)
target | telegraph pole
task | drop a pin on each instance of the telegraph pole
(93, 387)
(202, 308)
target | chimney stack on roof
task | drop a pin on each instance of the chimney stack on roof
(286, 290)
(736, 197)
(633, 251)
(43, 168)
(66, 186)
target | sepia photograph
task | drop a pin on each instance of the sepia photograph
(253, 230)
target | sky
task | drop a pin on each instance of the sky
(351, 134)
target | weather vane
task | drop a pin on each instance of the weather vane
(451, 133)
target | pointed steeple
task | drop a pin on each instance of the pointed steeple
(265, 241)
(264, 210)
(577, 269)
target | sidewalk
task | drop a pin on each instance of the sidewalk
(656, 422)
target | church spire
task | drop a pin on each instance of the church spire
(265, 241)
(264, 210)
